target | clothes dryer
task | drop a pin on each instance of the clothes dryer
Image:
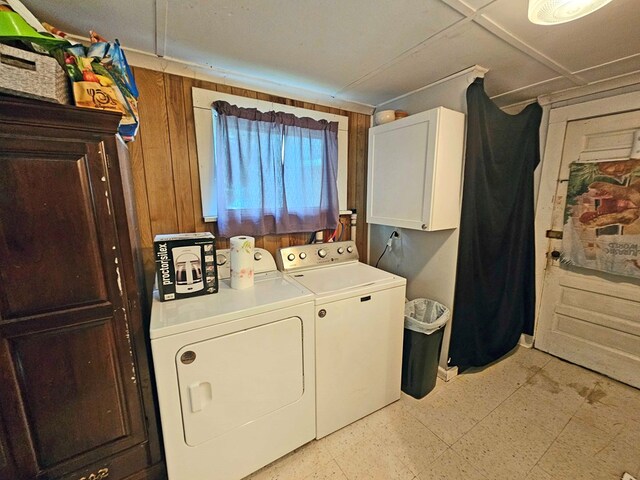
(235, 373)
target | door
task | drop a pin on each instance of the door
(70, 397)
(586, 316)
(232, 380)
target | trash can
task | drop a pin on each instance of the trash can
(424, 322)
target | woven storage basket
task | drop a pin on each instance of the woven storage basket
(31, 75)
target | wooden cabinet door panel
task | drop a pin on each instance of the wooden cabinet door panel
(82, 389)
(67, 362)
(36, 213)
(7, 465)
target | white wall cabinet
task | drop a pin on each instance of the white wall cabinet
(415, 171)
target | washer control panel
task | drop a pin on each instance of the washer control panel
(316, 255)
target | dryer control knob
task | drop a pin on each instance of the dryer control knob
(257, 256)
(322, 253)
(302, 255)
(350, 249)
(291, 257)
(340, 250)
(221, 259)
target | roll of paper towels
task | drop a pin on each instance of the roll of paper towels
(242, 262)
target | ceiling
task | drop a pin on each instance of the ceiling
(369, 52)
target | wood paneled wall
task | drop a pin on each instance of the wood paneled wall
(165, 164)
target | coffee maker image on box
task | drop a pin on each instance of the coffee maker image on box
(188, 268)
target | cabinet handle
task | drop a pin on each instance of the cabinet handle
(424, 226)
(365, 299)
(322, 313)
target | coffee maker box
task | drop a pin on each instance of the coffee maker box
(185, 265)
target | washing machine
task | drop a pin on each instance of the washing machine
(235, 373)
(359, 314)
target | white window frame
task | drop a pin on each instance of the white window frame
(203, 120)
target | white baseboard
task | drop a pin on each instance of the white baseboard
(526, 341)
(447, 374)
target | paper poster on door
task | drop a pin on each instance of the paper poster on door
(602, 217)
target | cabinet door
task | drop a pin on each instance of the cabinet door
(69, 399)
(401, 167)
(415, 171)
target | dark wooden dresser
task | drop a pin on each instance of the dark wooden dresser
(76, 400)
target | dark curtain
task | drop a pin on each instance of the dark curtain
(495, 282)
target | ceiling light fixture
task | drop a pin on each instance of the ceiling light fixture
(551, 12)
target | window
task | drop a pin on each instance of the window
(202, 100)
(275, 172)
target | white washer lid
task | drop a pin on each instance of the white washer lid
(336, 278)
(271, 292)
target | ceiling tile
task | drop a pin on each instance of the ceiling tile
(532, 92)
(132, 22)
(365, 51)
(316, 45)
(508, 67)
(603, 36)
(621, 67)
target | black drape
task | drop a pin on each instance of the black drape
(495, 282)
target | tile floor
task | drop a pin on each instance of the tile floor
(529, 416)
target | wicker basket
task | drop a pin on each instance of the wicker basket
(31, 75)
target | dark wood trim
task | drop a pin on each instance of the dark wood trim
(157, 472)
(25, 111)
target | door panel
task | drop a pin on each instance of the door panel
(84, 388)
(410, 142)
(7, 467)
(589, 317)
(36, 214)
(229, 381)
